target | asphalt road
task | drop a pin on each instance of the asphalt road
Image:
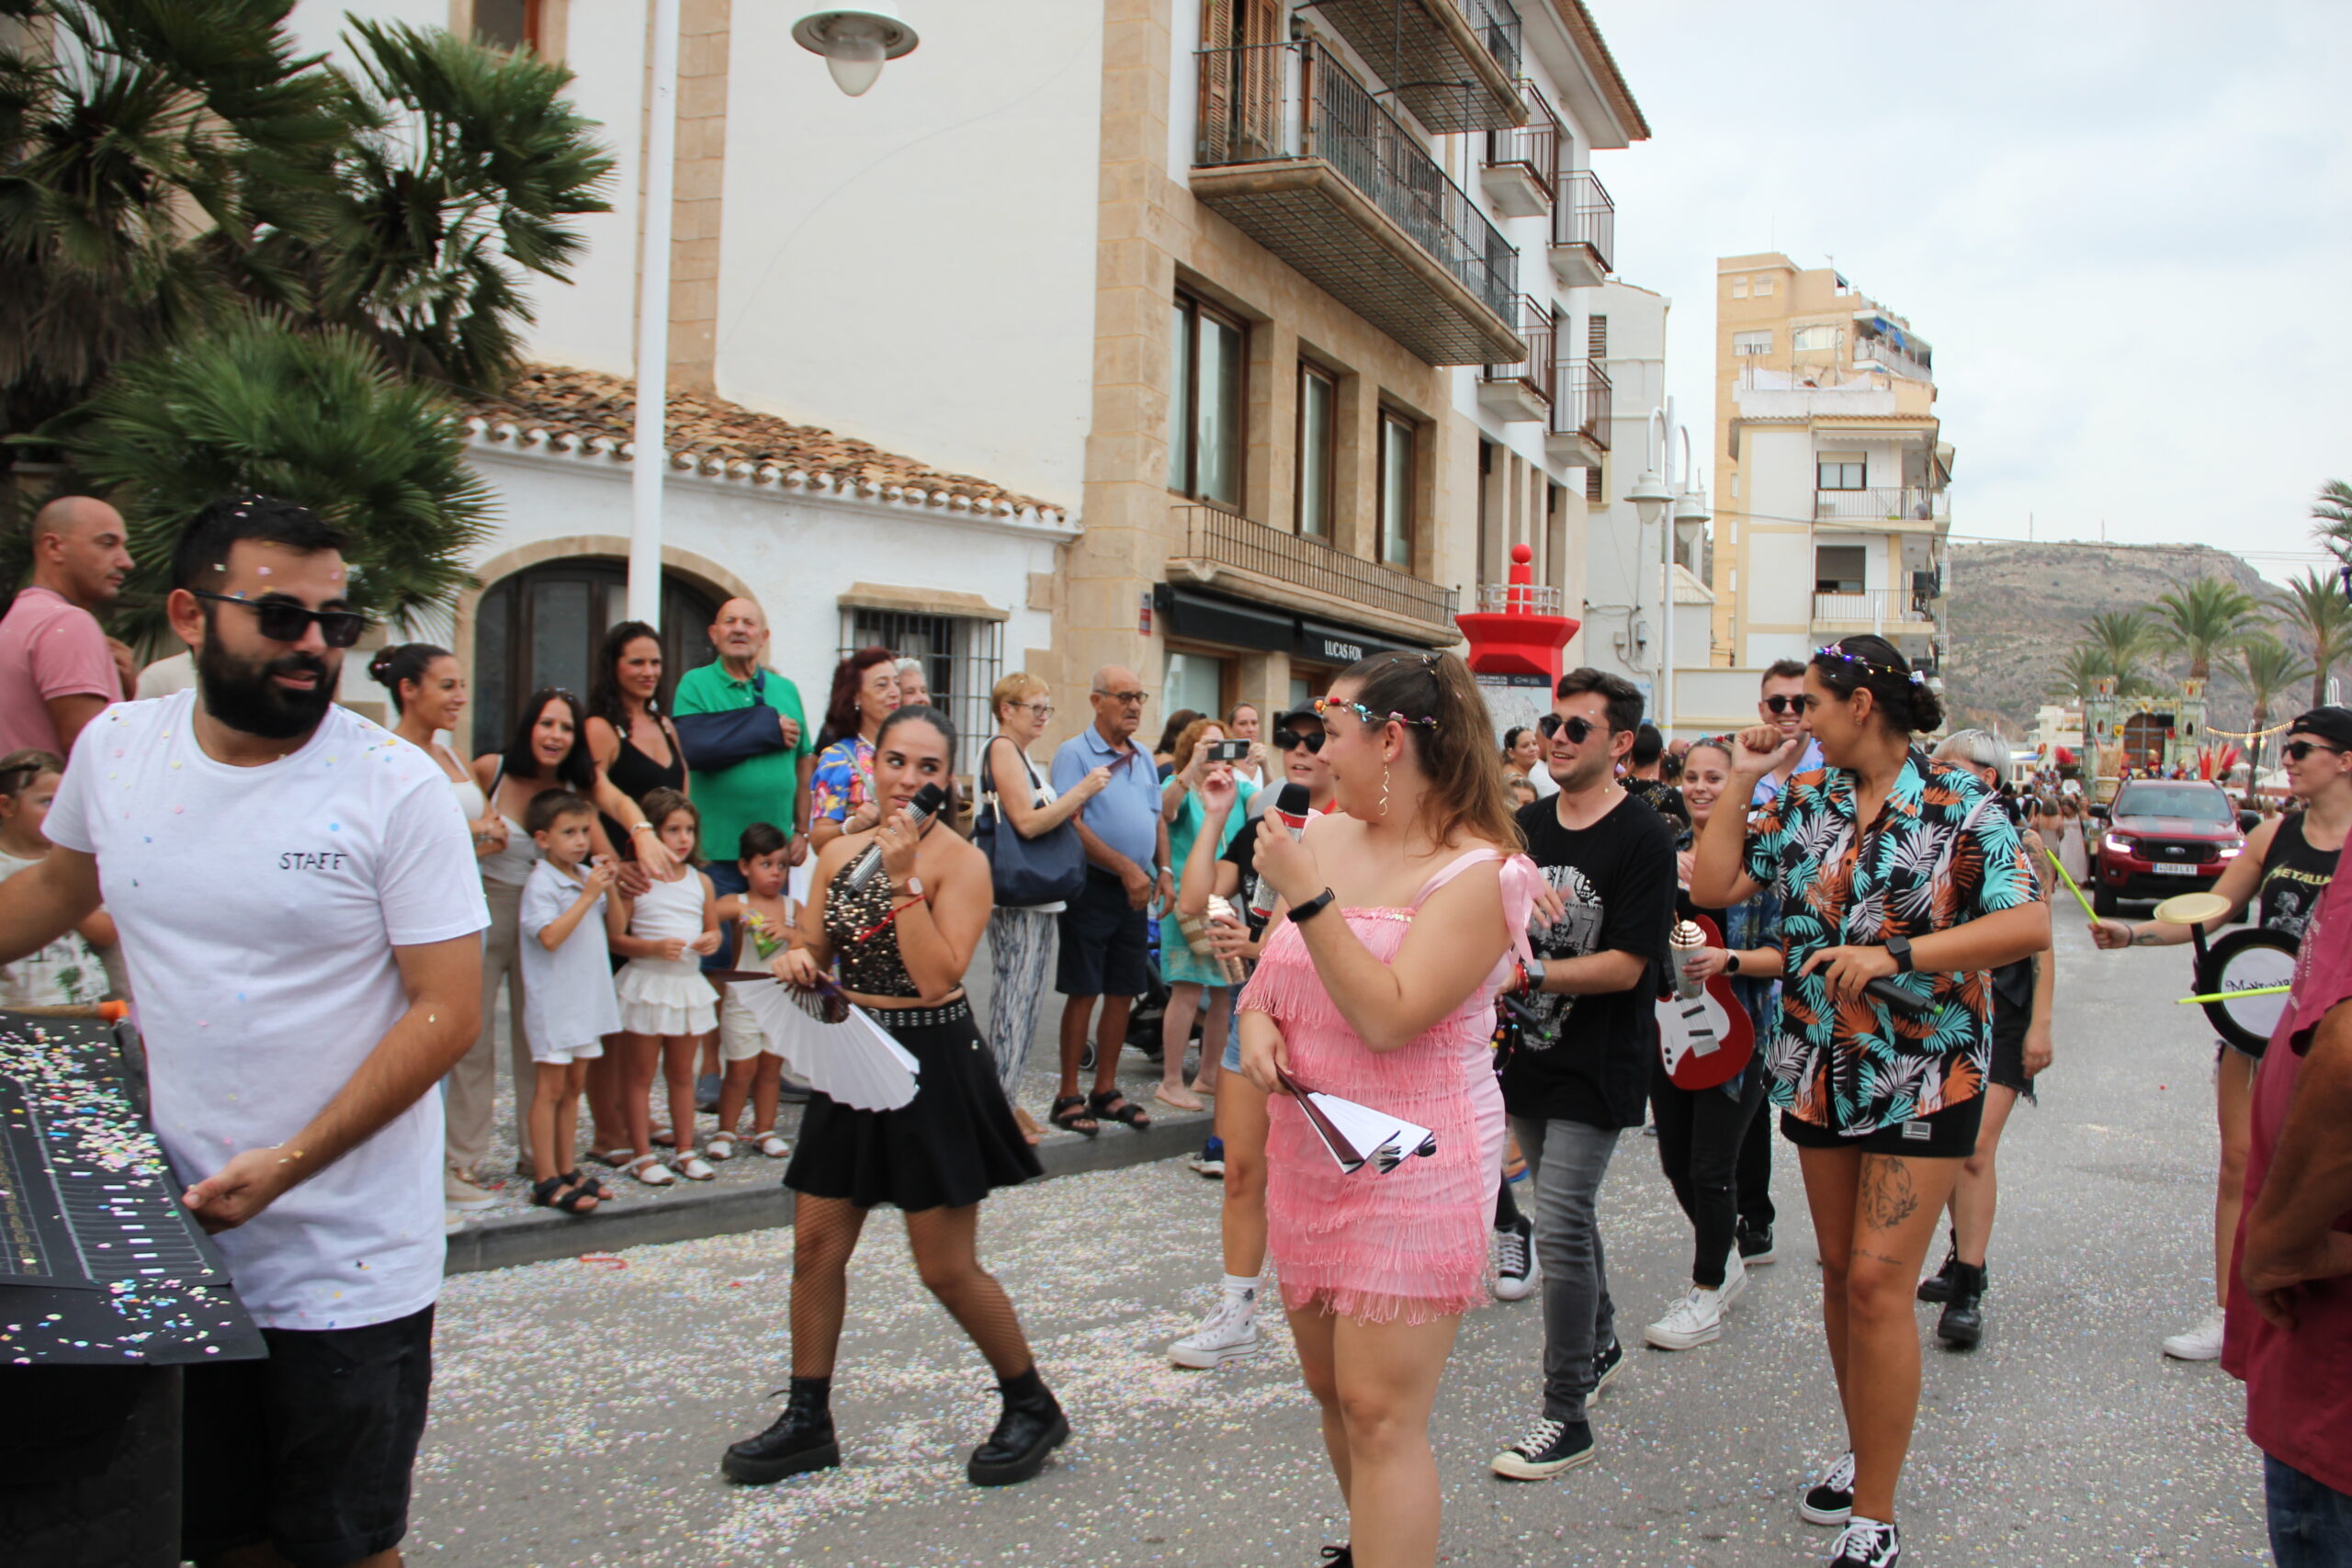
(581, 1406)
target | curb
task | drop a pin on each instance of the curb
(688, 1216)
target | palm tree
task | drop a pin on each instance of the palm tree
(2079, 674)
(2316, 608)
(2265, 668)
(2333, 512)
(2204, 618)
(2124, 639)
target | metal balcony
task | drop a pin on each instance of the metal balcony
(1453, 63)
(1523, 160)
(1886, 611)
(1578, 436)
(1298, 154)
(1584, 228)
(1522, 390)
(1299, 573)
(1896, 508)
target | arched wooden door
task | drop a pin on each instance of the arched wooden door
(542, 626)
(2144, 739)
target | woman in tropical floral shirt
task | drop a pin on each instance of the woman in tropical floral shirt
(840, 791)
(1889, 866)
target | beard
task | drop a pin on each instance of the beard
(239, 693)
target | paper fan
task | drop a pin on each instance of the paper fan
(1357, 1135)
(854, 1062)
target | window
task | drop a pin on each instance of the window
(1194, 681)
(1840, 472)
(543, 625)
(1206, 351)
(1837, 568)
(962, 657)
(1745, 344)
(1813, 340)
(507, 24)
(1763, 289)
(1319, 402)
(1396, 491)
(1596, 486)
(1739, 288)
(1596, 337)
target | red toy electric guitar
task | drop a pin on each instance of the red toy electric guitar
(1704, 1033)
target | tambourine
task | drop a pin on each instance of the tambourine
(2244, 960)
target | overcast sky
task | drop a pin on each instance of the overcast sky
(2126, 229)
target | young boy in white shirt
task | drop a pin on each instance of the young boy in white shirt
(567, 989)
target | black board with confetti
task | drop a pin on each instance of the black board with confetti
(100, 1265)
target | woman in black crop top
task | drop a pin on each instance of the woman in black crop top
(900, 946)
(2286, 862)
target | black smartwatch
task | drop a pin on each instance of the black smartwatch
(1731, 962)
(1900, 946)
(1312, 907)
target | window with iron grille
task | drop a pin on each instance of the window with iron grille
(962, 657)
(1596, 337)
(1596, 490)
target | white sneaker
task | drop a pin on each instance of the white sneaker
(1734, 1279)
(1697, 1318)
(1227, 1334)
(2203, 1343)
(452, 1222)
(1514, 1258)
(461, 1192)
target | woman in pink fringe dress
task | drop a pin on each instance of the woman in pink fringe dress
(1378, 987)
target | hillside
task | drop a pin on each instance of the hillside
(2014, 609)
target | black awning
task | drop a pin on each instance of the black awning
(1327, 642)
(1202, 618)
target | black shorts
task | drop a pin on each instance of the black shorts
(2007, 1066)
(310, 1450)
(1105, 946)
(1949, 1133)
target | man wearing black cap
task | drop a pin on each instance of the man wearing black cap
(2286, 865)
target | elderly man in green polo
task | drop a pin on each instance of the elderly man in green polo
(747, 742)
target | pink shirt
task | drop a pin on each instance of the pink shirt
(2299, 1380)
(49, 647)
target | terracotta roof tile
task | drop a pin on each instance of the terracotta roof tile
(589, 410)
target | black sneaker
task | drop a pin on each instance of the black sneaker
(1606, 1365)
(1936, 1287)
(1867, 1543)
(1549, 1447)
(1514, 1251)
(1830, 1500)
(1756, 1244)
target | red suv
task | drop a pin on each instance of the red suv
(2162, 837)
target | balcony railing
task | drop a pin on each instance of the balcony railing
(1518, 599)
(1227, 538)
(1539, 371)
(1900, 505)
(1534, 146)
(1450, 62)
(1580, 403)
(1584, 224)
(1296, 106)
(1876, 350)
(1871, 607)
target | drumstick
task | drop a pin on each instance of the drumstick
(2059, 868)
(2232, 996)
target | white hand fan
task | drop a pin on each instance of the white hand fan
(1358, 1135)
(854, 1062)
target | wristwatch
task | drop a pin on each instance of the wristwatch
(1731, 962)
(1533, 969)
(914, 886)
(1899, 946)
(1312, 907)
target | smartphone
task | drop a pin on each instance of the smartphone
(1229, 750)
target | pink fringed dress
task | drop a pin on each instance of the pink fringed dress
(1409, 1245)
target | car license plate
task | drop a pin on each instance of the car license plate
(2162, 870)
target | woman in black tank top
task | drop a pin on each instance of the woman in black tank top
(625, 716)
(2285, 864)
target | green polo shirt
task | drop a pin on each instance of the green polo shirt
(760, 790)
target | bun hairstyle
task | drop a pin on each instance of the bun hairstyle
(1899, 693)
(1446, 723)
(405, 665)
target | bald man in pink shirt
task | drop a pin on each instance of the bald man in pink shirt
(58, 672)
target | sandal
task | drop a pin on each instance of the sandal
(602, 1194)
(662, 1138)
(1069, 1113)
(618, 1157)
(1112, 1104)
(770, 1144)
(556, 1192)
(690, 1165)
(649, 1169)
(720, 1145)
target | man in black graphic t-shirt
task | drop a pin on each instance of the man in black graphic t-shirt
(1578, 1076)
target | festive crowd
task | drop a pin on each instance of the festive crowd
(1822, 928)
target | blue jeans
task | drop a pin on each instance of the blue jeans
(1565, 1161)
(2311, 1523)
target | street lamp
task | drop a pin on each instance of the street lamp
(855, 40)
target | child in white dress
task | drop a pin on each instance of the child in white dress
(665, 1004)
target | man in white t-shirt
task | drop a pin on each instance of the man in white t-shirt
(301, 913)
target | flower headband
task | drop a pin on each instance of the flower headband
(1323, 705)
(1834, 651)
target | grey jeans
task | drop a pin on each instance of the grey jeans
(1565, 1162)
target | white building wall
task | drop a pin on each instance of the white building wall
(1623, 561)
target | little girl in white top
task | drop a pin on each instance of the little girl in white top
(666, 1006)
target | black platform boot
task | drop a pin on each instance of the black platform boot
(1031, 1427)
(1936, 1287)
(800, 1439)
(1962, 1323)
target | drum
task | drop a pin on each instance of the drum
(2243, 961)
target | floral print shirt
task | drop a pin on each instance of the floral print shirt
(66, 971)
(843, 779)
(1943, 852)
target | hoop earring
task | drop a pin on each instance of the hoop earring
(1383, 789)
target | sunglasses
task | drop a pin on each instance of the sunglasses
(286, 620)
(2296, 750)
(1579, 730)
(1292, 740)
(1784, 705)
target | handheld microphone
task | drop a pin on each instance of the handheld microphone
(1908, 1003)
(1291, 809)
(923, 809)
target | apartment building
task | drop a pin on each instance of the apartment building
(1832, 503)
(1227, 342)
